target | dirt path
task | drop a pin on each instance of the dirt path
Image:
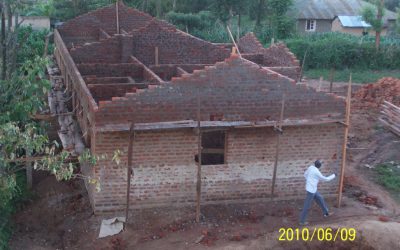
(60, 218)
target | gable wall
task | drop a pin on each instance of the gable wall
(174, 47)
(241, 91)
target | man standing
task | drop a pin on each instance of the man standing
(313, 176)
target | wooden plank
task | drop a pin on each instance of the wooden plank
(390, 117)
(391, 105)
(344, 146)
(277, 147)
(394, 129)
(212, 124)
(391, 110)
(394, 119)
(199, 149)
(129, 170)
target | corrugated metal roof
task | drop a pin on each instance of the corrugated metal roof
(329, 9)
(353, 22)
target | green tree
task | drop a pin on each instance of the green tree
(374, 16)
(225, 9)
(271, 18)
(189, 21)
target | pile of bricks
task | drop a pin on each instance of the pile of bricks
(373, 95)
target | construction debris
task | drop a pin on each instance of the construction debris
(111, 226)
(373, 95)
(58, 99)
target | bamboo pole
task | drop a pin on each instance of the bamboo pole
(198, 184)
(233, 40)
(302, 66)
(129, 170)
(331, 77)
(277, 148)
(156, 55)
(117, 15)
(344, 146)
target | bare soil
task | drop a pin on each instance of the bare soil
(60, 216)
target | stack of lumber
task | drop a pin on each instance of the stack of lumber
(391, 117)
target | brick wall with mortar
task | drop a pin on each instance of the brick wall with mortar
(88, 26)
(106, 51)
(277, 57)
(111, 70)
(103, 92)
(165, 171)
(291, 72)
(81, 97)
(174, 46)
(249, 44)
(236, 88)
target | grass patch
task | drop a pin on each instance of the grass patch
(389, 176)
(359, 76)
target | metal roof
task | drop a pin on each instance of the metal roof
(353, 22)
(329, 9)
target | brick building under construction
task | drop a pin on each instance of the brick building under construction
(203, 119)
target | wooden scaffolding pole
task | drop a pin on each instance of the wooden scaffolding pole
(278, 128)
(117, 15)
(344, 146)
(302, 66)
(199, 148)
(156, 60)
(233, 41)
(129, 169)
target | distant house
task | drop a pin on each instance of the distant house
(336, 15)
(352, 25)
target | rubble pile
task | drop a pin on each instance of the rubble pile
(373, 95)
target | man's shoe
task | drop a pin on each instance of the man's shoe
(304, 223)
(328, 214)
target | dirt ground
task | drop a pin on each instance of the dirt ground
(60, 217)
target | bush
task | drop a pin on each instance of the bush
(33, 43)
(389, 176)
(345, 51)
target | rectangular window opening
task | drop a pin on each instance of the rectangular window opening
(310, 25)
(213, 148)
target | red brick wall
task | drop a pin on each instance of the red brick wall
(101, 92)
(81, 97)
(174, 46)
(87, 26)
(165, 171)
(108, 50)
(238, 89)
(111, 69)
(277, 57)
(250, 44)
(291, 72)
